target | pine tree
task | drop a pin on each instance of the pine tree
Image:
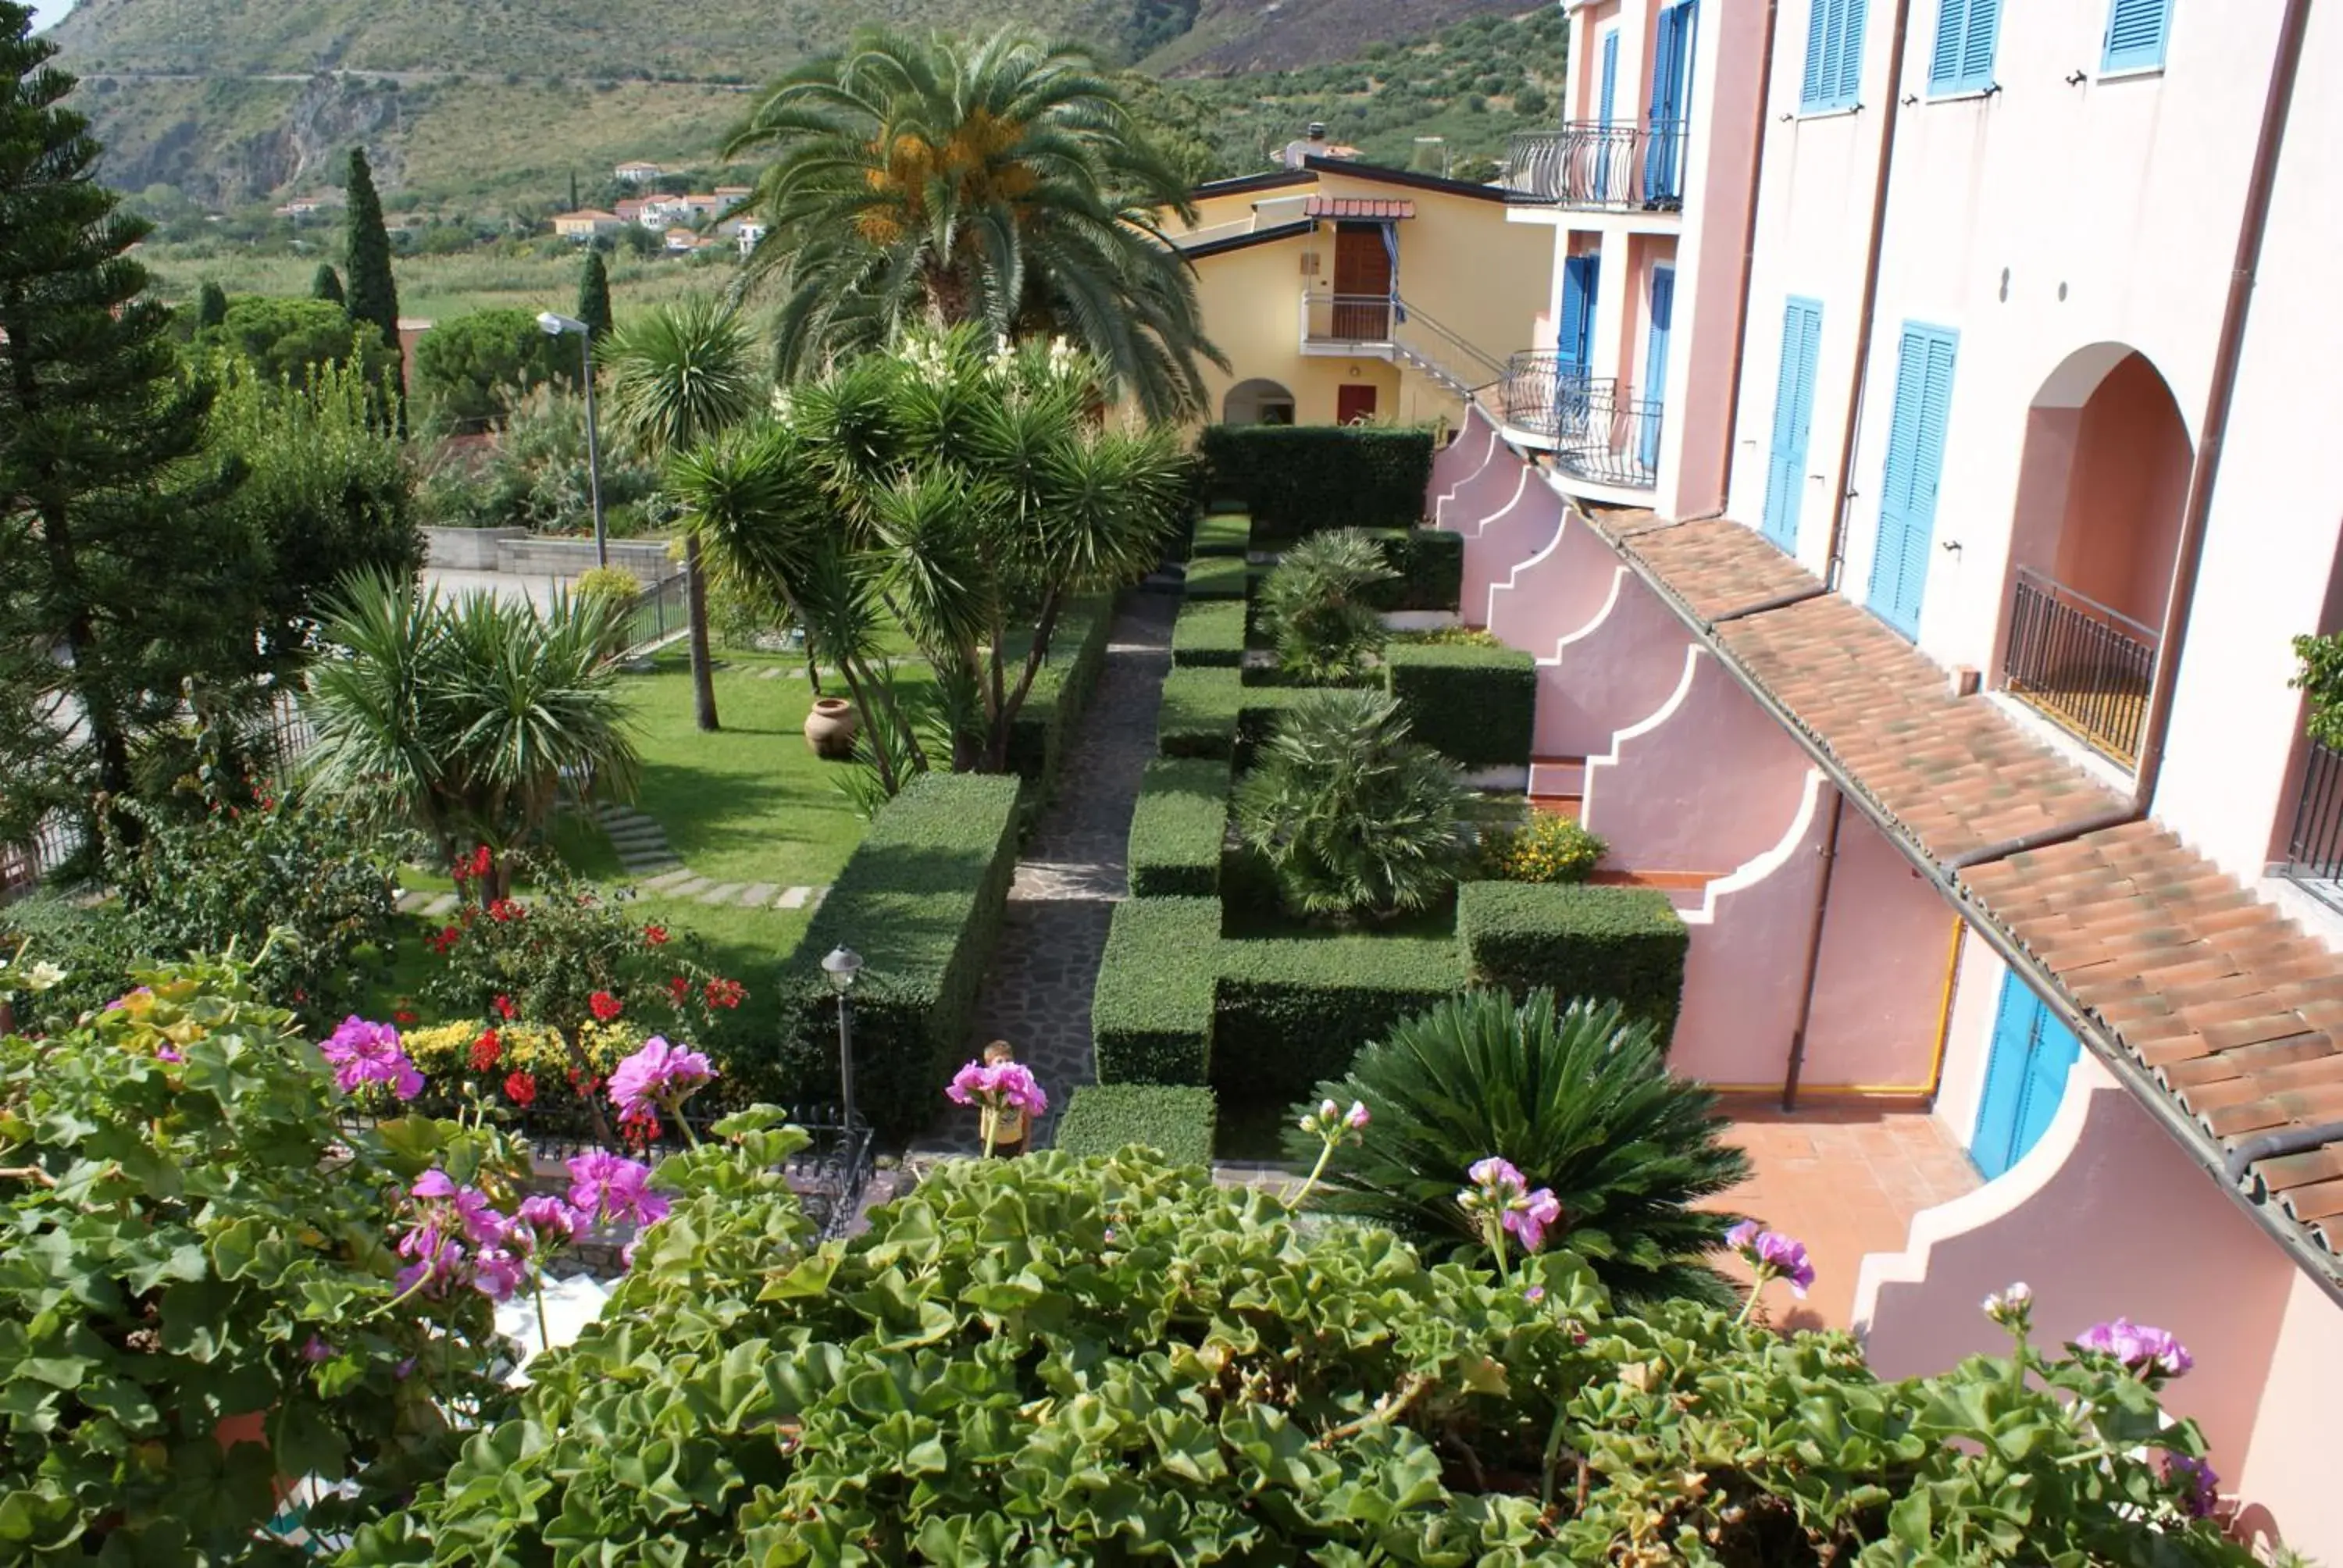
(111, 552)
(327, 285)
(211, 306)
(372, 293)
(594, 296)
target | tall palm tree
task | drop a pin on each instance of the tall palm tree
(678, 374)
(1004, 183)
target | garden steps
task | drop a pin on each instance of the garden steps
(1572, 806)
(1557, 775)
(640, 842)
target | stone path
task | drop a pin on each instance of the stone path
(1037, 991)
(641, 842)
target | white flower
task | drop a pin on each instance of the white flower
(44, 977)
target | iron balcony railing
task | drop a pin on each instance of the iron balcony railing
(1621, 167)
(2314, 850)
(659, 611)
(2084, 666)
(1346, 318)
(1442, 353)
(1599, 429)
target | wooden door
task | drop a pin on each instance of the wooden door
(1363, 283)
(1354, 404)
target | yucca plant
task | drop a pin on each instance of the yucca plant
(1355, 819)
(1578, 1098)
(1315, 605)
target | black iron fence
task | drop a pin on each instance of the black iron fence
(659, 611)
(1621, 167)
(2081, 664)
(1599, 429)
(1347, 318)
(2314, 850)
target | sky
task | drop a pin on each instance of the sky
(47, 11)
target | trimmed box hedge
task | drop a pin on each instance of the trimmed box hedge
(1210, 632)
(1291, 1011)
(1176, 1120)
(1199, 716)
(1062, 690)
(1223, 534)
(1622, 944)
(1477, 705)
(921, 899)
(1177, 827)
(1218, 576)
(1430, 567)
(1299, 479)
(1151, 1014)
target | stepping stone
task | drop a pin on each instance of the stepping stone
(626, 839)
(722, 893)
(690, 887)
(412, 900)
(643, 865)
(818, 895)
(767, 674)
(445, 904)
(794, 899)
(666, 879)
(757, 895)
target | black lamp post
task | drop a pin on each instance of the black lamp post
(843, 966)
(554, 325)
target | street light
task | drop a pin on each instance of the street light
(842, 965)
(555, 325)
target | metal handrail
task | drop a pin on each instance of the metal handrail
(1491, 368)
(2314, 848)
(1347, 317)
(1599, 429)
(2086, 665)
(1615, 166)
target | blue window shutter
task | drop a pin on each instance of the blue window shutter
(2051, 1049)
(2136, 33)
(1813, 93)
(1793, 418)
(1917, 429)
(1610, 94)
(1656, 360)
(1993, 1144)
(1977, 43)
(1962, 59)
(1849, 86)
(1576, 327)
(1945, 59)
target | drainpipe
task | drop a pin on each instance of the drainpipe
(1813, 954)
(1748, 254)
(2190, 554)
(1835, 557)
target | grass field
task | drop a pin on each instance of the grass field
(434, 287)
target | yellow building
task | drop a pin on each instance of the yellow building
(1340, 291)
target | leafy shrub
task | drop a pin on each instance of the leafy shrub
(1579, 1101)
(1176, 1121)
(1222, 534)
(1475, 704)
(921, 899)
(1219, 1386)
(1299, 479)
(470, 1063)
(609, 582)
(2319, 676)
(472, 369)
(1290, 1011)
(1602, 944)
(1318, 605)
(1452, 637)
(1547, 848)
(1209, 632)
(98, 946)
(539, 476)
(198, 1297)
(1428, 567)
(1178, 827)
(1218, 576)
(1151, 1011)
(293, 339)
(1060, 692)
(1356, 820)
(1199, 714)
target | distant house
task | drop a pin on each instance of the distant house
(748, 234)
(592, 222)
(631, 210)
(700, 207)
(732, 197)
(308, 206)
(637, 173)
(682, 241)
(656, 213)
(1312, 145)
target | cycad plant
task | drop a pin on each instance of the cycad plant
(1356, 820)
(1579, 1100)
(1316, 605)
(466, 718)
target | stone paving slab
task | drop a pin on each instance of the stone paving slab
(722, 893)
(666, 879)
(445, 904)
(757, 895)
(691, 887)
(793, 899)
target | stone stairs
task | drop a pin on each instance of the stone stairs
(641, 842)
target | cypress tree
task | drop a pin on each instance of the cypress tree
(594, 296)
(327, 285)
(211, 306)
(372, 292)
(573, 190)
(111, 544)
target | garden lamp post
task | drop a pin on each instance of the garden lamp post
(555, 325)
(842, 965)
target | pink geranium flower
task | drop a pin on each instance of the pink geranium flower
(361, 1053)
(606, 1186)
(659, 1077)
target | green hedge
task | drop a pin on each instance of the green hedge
(922, 899)
(1062, 690)
(1210, 632)
(1151, 1014)
(1477, 705)
(1223, 534)
(1176, 1120)
(1177, 827)
(1623, 944)
(1218, 576)
(1430, 567)
(1291, 1013)
(1199, 716)
(1300, 478)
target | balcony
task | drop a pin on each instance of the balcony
(1598, 429)
(2314, 850)
(1344, 323)
(1592, 166)
(2081, 665)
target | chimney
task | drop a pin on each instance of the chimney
(1317, 130)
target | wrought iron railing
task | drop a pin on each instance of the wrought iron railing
(1600, 430)
(660, 612)
(1346, 318)
(2314, 850)
(2084, 666)
(1621, 167)
(1442, 353)
(25, 866)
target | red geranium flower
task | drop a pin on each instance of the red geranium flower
(585, 1083)
(520, 1089)
(448, 938)
(640, 1131)
(605, 1006)
(678, 990)
(504, 910)
(505, 1009)
(487, 1052)
(656, 935)
(403, 1018)
(479, 863)
(726, 993)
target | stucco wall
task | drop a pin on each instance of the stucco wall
(2288, 1479)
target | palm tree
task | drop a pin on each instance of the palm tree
(678, 374)
(1319, 604)
(1579, 1100)
(466, 718)
(1004, 183)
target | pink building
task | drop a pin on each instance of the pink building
(1910, 492)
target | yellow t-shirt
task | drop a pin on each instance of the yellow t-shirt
(1006, 1125)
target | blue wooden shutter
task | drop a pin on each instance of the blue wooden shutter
(2051, 1051)
(1794, 416)
(1655, 364)
(2136, 33)
(1916, 460)
(1610, 93)
(1945, 59)
(1580, 275)
(2025, 1079)
(1814, 92)
(1977, 44)
(1671, 103)
(1848, 87)
(1962, 59)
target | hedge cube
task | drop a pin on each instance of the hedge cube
(1297, 479)
(1176, 1120)
(1151, 1012)
(1199, 715)
(1293, 1012)
(1622, 944)
(1478, 706)
(1430, 567)
(1218, 576)
(1210, 632)
(1062, 690)
(1177, 827)
(1223, 534)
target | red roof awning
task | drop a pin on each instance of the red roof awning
(1374, 208)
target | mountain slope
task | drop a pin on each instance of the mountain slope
(1235, 36)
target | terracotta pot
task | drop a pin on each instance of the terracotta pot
(831, 726)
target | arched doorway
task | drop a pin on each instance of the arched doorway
(2097, 526)
(1257, 402)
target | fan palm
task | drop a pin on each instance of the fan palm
(1004, 183)
(680, 374)
(1579, 1100)
(465, 718)
(1317, 605)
